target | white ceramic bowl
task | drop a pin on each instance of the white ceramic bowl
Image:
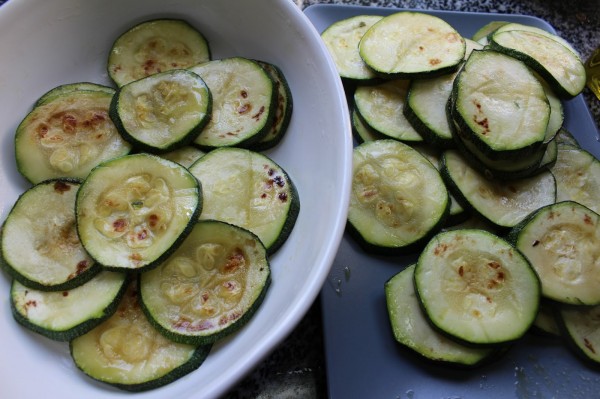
(48, 43)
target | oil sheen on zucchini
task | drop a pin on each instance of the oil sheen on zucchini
(562, 242)
(412, 329)
(162, 112)
(210, 287)
(126, 351)
(244, 102)
(476, 287)
(398, 198)
(64, 315)
(40, 247)
(248, 189)
(67, 137)
(156, 46)
(134, 210)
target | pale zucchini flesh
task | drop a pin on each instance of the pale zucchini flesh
(132, 211)
(162, 112)
(410, 44)
(580, 326)
(248, 189)
(503, 203)
(244, 101)
(398, 198)
(70, 87)
(127, 352)
(210, 287)
(412, 329)
(40, 246)
(562, 243)
(64, 315)
(67, 137)
(476, 287)
(156, 46)
(342, 39)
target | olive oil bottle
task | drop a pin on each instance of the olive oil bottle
(592, 69)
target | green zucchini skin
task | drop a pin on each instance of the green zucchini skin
(52, 255)
(67, 334)
(579, 327)
(214, 262)
(70, 87)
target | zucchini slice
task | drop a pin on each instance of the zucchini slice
(64, 315)
(381, 108)
(503, 203)
(412, 329)
(185, 156)
(283, 108)
(127, 352)
(476, 287)
(133, 211)
(244, 102)
(67, 137)
(162, 112)
(409, 44)
(426, 105)
(398, 198)
(361, 131)
(552, 60)
(500, 106)
(70, 87)
(156, 46)
(342, 39)
(248, 189)
(562, 242)
(581, 328)
(210, 287)
(577, 174)
(482, 33)
(40, 246)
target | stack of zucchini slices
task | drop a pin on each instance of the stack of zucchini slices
(147, 233)
(462, 158)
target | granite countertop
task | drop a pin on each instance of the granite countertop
(296, 369)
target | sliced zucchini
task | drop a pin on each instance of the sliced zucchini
(500, 106)
(577, 174)
(64, 315)
(163, 111)
(483, 32)
(125, 351)
(398, 198)
(557, 115)
(503, 203)
(184, 156)
(552, 60)
(133, 211)
(244, 102)
(156, 46)
(210, 287)
(562, 242)
(476, 287)
(380, 107)
(248, 189)
(409, 44)
(426, 105)
(342, 39)
(412, 329)
(283, 108)
(361, 131)
(40, 246)
(70, 87)
(67, 137)
(581, 328)
(545, 322)
(563, 136)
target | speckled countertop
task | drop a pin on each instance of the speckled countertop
(296, 369)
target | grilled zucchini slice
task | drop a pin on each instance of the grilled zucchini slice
(133, 211)
(67, 137)
(127, 352)
(40, 246)
(476, 287)
(248, 189)
(210, 287)
(156, 46)
(70, 87)
(162, 112)
(64, 315)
